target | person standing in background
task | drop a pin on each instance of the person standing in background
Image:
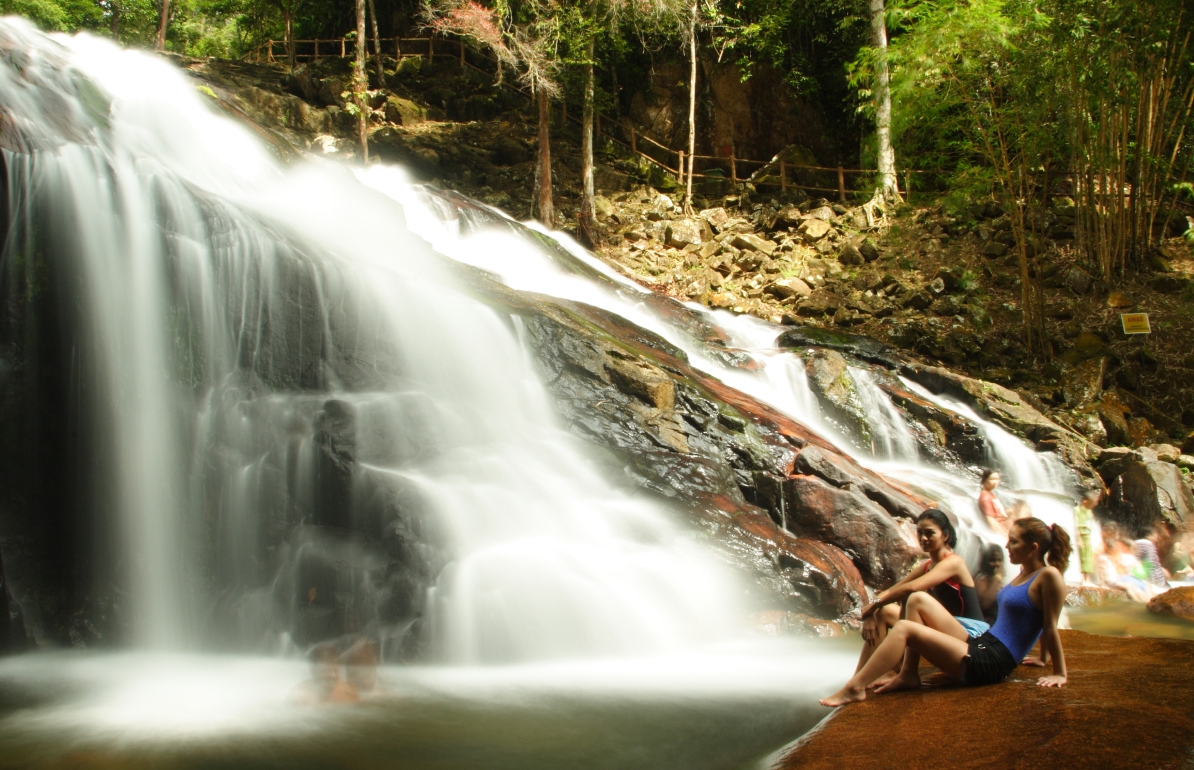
(989, 504)
(1084, 525)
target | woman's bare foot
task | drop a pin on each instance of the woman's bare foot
(845, 695)
(882, 680)
(902, 682)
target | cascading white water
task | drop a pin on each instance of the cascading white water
(780, 380)
(254, 330)
(311, 327)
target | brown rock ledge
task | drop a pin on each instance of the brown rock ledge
(1129, 703)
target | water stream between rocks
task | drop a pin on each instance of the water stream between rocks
(244, 330)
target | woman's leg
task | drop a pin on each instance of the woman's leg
(924, 609)
(886, 617)
(942, 650)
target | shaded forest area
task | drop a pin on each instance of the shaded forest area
(1041, 140)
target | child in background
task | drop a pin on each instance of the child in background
(988, 581)
(1084, 525)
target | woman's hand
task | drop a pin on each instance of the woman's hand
(1036, 662)
(870, 630)
(1053, 680)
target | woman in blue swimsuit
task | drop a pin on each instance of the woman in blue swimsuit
(1028, 609)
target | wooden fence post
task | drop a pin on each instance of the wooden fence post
(270, 49)
(680, 153)
(633, 141)
(316, 56)
(342, 54)
(783, 176)
(841, 184)
(430, 48)
(398, 48)
(908, 185)
(733, 169)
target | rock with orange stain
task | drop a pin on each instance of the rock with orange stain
(1178, 602)
(1129, 703)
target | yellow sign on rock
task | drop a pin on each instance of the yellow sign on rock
(1135, 323)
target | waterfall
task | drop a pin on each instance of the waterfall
(778, 377)
(283, 358)
(280, 354)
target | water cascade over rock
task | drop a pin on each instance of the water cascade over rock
(253, 406)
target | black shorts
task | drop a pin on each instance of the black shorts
(989, 662)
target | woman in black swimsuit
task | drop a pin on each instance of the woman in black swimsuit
(944, 576)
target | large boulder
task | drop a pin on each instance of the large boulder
(752, 242)
(813, 230)
(819, 574)
(685, 232)
(829, 377)
(786, 288)
(842, 472)
(1007, 408)
(1178, 602)
(1082, 384)
(1145, 491)
(847, 519)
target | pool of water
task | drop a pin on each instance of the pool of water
(725, 709)
(1129, 619)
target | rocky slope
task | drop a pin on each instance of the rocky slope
(917, 292)
(739, 468)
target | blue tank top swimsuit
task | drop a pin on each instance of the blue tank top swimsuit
(1020, 621)
(995, 654)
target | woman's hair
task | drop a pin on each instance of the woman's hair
(1053, 540)
(987, 473)
(938, 517)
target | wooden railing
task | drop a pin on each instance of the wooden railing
(628, 136)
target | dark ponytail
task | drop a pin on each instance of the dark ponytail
(1059, 553)
(1053, 541)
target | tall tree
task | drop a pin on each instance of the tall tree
(888, 185)
(381, 78)
(361, 82)
(692, 79)
(586, 229)
(162, 23)
(525, 38)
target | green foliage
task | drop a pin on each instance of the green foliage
(56, 15)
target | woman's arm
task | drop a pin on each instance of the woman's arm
(950, 566)
(1053, 592)
(892, 594)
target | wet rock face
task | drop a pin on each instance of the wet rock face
(829, 377)
(847, 518)
(1144, 491)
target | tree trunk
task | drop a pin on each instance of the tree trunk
(361, 82)
(586, 231)
(544, 210)
(114, 22)
(692, 56)
(381, 77)
(288, 12)
(887, 168)
(163, 21)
